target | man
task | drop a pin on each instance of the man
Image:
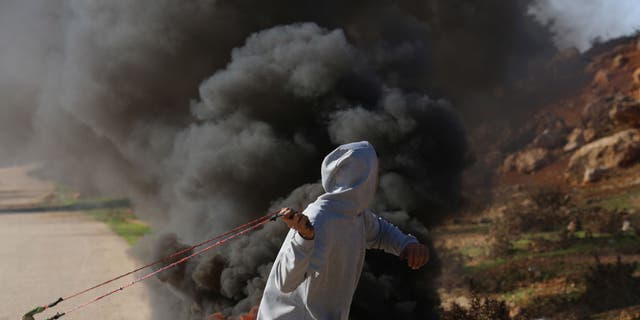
(317, 269)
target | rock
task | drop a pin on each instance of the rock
(595, 116)
(626, 226)
(593, 108)
(551, 133)
(636, 76)
(625, 111)
(575, 139)
(614, 151)
(619, 60)
(589, 134)
(527, 161)
(592, 174)
(509, 163)
(629, 315)
(601, 78)
(515, 311)
(550, 139)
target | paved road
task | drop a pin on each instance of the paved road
(18, 188)
(47, 255)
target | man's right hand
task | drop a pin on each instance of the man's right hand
(417, 255)
(297, 221)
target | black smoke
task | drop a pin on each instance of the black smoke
(208, 113)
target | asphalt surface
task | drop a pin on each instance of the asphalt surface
(46, 255)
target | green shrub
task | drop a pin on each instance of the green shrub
(480, 309)
(539, 210)
(501, 234)
(599, 220)
(512, 274)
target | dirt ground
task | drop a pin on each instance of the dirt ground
(47, 255)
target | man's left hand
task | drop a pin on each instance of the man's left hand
(417, 255)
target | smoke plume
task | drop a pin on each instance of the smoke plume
(580, 23)
(209, 113)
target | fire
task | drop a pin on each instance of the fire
(216, 316)
(251, 315)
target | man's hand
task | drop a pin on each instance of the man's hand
(416, 254)
(297, 221)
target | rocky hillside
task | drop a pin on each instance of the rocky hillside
(588, 136)
(552, 223)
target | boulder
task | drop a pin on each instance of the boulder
(589, 134)
(575, 139)
(619, 60)
(614, 151)
(550, 139)
(551, 133)
(593, 174)
(595, 116)
(509, 163)
(625, 111)
(636, 76)
(527, 161)
(601, 78)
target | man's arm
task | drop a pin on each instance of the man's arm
(385, 236)
(294, 261)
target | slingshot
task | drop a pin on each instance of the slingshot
(209, 244)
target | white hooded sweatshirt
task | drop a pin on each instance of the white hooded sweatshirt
(316, 279)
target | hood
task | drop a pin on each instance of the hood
(349, 178)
